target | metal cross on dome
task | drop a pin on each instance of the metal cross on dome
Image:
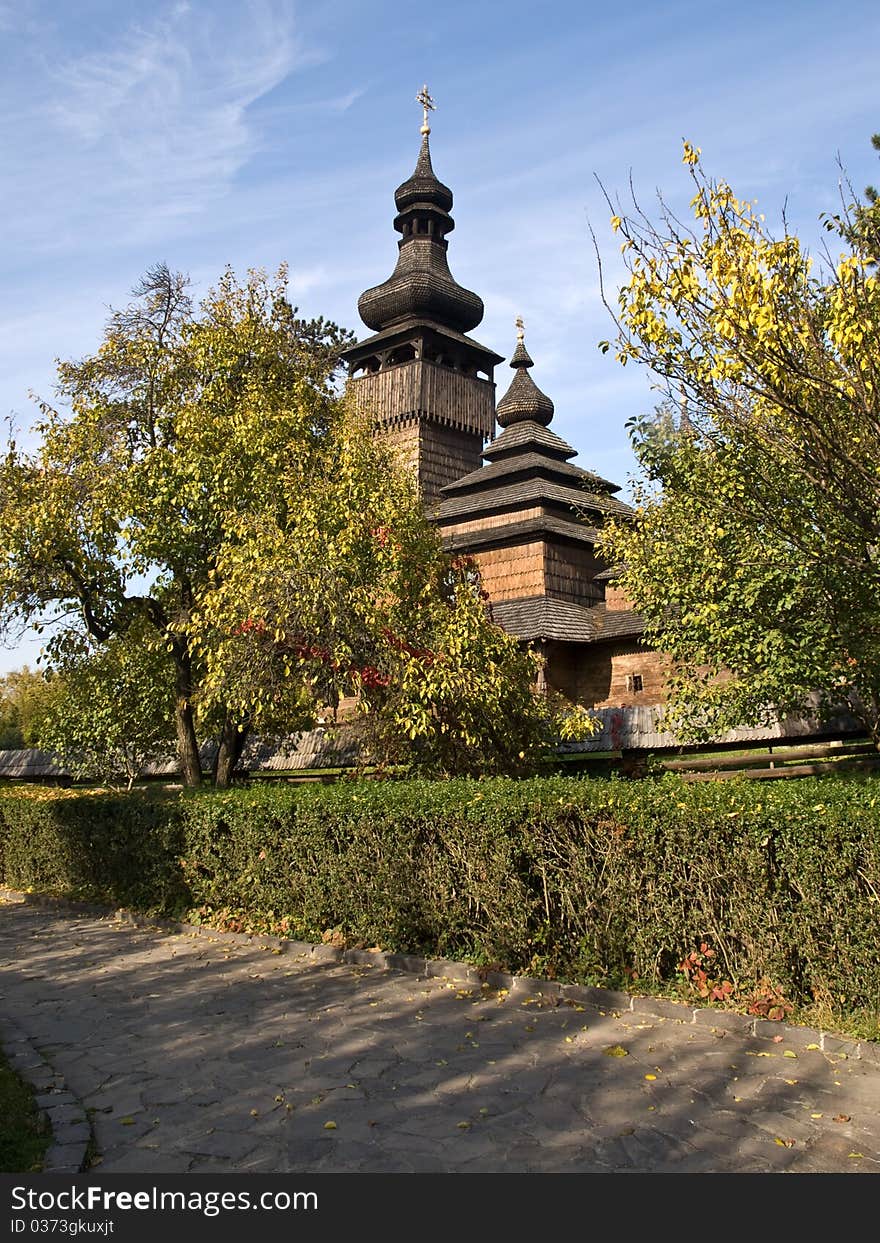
(424, 98)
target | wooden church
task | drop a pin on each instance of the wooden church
(497, 481)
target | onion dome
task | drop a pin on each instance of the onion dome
(421, 286)
(523, 402)
(423, 186)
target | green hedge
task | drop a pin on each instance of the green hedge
(601, 881)
(93, 846)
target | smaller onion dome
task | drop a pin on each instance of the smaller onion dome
(523, 401)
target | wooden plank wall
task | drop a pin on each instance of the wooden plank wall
(426, 388)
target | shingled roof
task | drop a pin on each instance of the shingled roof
(523, 401)
(608, 576)
(531, 437)
(29, 764)
(540, 488)
(521, 464)
(499, 533)
(542, 617)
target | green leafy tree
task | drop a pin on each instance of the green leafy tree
(183, 420)
(861, 224)
(111, 709)
(22, 696)
(755, 555)
(338, 595)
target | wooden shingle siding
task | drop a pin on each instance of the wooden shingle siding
(616, 599)
(492, 520)
(433, 453)
(569, 571)
(511, 573)
(651, 666)
(444, 454)
(597, 675)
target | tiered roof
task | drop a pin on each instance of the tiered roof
(528, 466)
(528, 470)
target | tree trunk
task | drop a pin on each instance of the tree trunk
(187, 743)
(232, 741)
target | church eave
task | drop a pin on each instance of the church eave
(514, 468)
(508, 534)
(546, 618)
(542, 617)
(399, 334)
(529, 492)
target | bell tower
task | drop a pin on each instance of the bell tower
(426, 384)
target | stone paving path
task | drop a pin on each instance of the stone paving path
(207, 1054)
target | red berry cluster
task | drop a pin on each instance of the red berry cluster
(251, 626)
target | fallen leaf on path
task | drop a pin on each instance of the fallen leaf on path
(842, 1118)
(329, 1126)
(785, 1143)
(616, 1050)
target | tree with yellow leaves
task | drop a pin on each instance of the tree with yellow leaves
(755, 554)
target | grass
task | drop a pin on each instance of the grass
(24, 1133)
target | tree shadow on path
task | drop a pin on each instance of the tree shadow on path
(197, 1053)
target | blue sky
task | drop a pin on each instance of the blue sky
(212, 132)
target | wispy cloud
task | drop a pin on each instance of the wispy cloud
(168, 104)
(341, 103)
(154, 123)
